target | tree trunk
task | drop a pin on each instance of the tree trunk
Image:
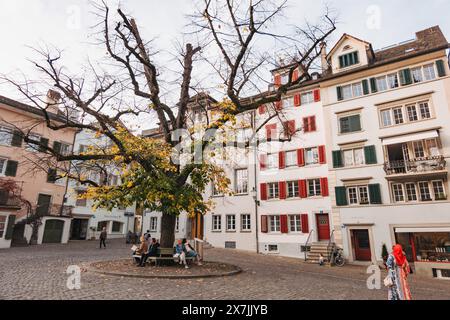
(167, 230)
(35, 231)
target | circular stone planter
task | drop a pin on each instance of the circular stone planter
(127, 268)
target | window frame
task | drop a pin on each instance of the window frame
(297, 223)
(348, 116)
(273, 193)
(294, 187)
(316, 186)
(246, 222)
(216, 223)
(230, 218)
(243, 189)
(153, 224)
(275, 222)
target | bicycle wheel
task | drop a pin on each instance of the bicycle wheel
(339, 261)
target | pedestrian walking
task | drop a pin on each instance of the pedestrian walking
(103, 236)
(398, 271)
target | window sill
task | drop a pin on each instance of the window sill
(230, 231)
(240, 195)
(349, 133)
(246, 231)
(216, 231)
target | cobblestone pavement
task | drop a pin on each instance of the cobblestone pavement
(39, 272)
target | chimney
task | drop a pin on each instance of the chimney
(53, 99)
(323, 56)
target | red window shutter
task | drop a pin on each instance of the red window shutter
(317, 95)
(271, 131)
(282, 160)
(322, 155)
(305, 223)
(295, 75)
(263, 190)
(284, 224)
(303, 193)
(324, 187)
(301, 157)
(264, 225)
(282, 187)
(312, 123)
(277, 80)
(297, 100)
(306, 125)
(262, 109)
(279, 105)
(291, 127)
(263, 162)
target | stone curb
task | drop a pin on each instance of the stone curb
(238, 270)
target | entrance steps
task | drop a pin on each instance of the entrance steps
(320, 248)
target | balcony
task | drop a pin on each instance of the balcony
(427, 166)
(9, 200)
(54, 210)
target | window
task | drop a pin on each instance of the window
(424, 110)
(246, 223)
(363, 195)
(419, 151)
(292, 189)
(392, 80)
(101, 225)
(424, 191)
(154, 224)
(439, 190)
(2, 225)
(386, 118)
(216, 223)
(241, 176)
(311, 156)
(412, 113)
(309, 124)
(285, 78)
(347, 92)
(314, 188)
(295, 223)
(272, 161)
(117, 227)
(215, 191)
(231, 223)
(81, 201)
(6, 136)
(177, 224)
(307, 98)
(82, 149)
(348, 59)
(352, 195)
(411, 192)
(432, 147)
(65, 149)
(416, 74)
(349, 124)
(353, 157)
(291, 159)
(358, 195)
(288, 103)
(357, 89)
(428, 71)
(31, 146)
(273, 190)
(274, 223)
(381, 83)
(3, 166)
(397, 190)
(398, 115)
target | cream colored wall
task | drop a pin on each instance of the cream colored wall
(355, 45)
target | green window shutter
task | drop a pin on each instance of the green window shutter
(16, 139)
(339, 93)
(51, 176)
(405, 77)
(356, 57)
(370, 154)
(57, 147)
(11, 168)
(373, 85)
(43, 145)
(341, 196)
(365, 85)
(375, 193)
(355, 123)
(10, 227)
(337, 159)
(341, 62)
(440, 68)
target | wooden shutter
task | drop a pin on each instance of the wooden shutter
(282, 187)
(337, 159)
(291, 127)
(305, 125)
(16, 140)
(341, 196)
(355, 123)
(312, 123)
(10, 227)
(373, 85)
(375, 193)
(269, 131)
(317, 95)
(279, 105)
(262, 109)
(303, 193)
(57, 147)
(43, 145)
(295, 75)
(277, 80)
(370, 155)
(339, 93)
(51, 176)
(324, 187)
(264, 224)
(322, 155)
(282, 160)
(305, 223)
(284, 223)
(405, 77)
(11, 168)
(263, 190)
(365, 85)
(263, 162)
(440, 65)
(297, 100)
(301, 157)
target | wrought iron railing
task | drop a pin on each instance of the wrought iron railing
(9, 200)
(330, 246)
(305, 247)
(426, 164)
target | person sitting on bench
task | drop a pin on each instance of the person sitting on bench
(142, 250)
(180, 253)
(190, 252)
(152, 252)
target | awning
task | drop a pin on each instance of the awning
(411, 137)
(422, 230)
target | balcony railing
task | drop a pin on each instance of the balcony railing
(54, 210)
(420, 165)
(9, 200)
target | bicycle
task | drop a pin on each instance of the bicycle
(337, 257)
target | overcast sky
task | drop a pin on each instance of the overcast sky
(66, 24)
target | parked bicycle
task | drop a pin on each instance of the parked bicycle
(337, 257)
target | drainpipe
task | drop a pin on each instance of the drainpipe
(255, 160)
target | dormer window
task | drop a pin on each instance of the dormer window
(348, 59)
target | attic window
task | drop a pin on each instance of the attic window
(348, 59)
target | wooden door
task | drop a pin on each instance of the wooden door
(361, 244)
(323, 227)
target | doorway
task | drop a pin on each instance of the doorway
(43, 205)
(53, 231)
(79, 229)
(361, 245)
(323, 227)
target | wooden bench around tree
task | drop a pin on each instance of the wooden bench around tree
(163, 254)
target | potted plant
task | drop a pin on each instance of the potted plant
(384, 253)
(93, 232)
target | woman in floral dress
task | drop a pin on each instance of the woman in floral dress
(398, 268)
